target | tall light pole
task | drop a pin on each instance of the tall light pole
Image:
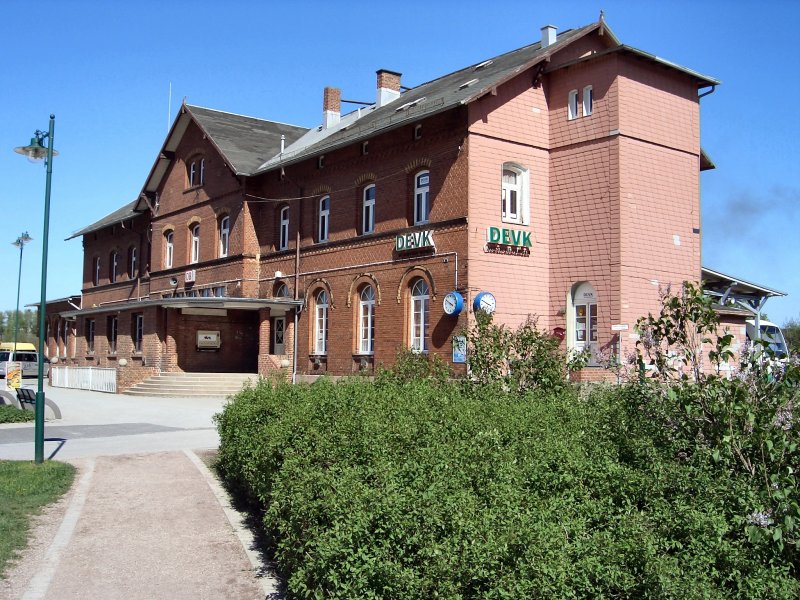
(20, 242)
(36, 151)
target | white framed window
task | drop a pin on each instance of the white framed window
(572, 105)
(321, 323)
(112, 267)
(515, 194)
(512, 194)
(366, 321)
(195, 251)
(420, 300)
(169, 249)
(96, 271)
(224, 235)
(202, 171)
(324, 219)
(283, 232)
(132, 258)
(368, 210)
(192, 173)
(588, 100)
(422, 191)
(282, 291)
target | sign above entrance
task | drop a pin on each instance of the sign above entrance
(414, 241)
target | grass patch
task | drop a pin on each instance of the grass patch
(24, 489)
(11, 414)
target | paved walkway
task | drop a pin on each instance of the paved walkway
(140, 522)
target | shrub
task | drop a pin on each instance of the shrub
(413, 489)
(11, 414)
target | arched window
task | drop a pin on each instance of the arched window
(366, 320)
(169, 249)
(324, 219)
(132, 262)
(283, 230)
(282, 291)
(224, 235)
(191, 174)
(514, 203)
(422, 197)
(368, 210)
(195, 249)
(321, 322)
(418, 317)
(202, 171)
(96, 271)
(112, 267)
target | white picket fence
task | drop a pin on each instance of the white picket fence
(84, 378)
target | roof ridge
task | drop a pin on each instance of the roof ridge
(472, 66)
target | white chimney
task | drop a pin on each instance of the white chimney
(331, 106)
(388, 87)
(548, 35)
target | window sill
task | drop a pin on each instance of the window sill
(193, 188)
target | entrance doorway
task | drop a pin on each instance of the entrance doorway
(583, 334)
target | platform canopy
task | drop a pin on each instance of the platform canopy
(727, 290)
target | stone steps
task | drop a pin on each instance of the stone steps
(199, 385)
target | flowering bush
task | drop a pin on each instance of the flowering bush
(745, 427)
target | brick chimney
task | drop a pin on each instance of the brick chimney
(548, 35)
(388, 86)
(331, 106)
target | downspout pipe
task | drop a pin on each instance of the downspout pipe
(711, 91)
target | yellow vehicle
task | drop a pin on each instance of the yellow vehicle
(21, 346)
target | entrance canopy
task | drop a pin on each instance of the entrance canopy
(191, 304)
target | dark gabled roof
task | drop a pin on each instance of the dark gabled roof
(244, 142)
(121, 214)
(457, 88)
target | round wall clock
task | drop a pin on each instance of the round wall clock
(453, 303)
(485, 302)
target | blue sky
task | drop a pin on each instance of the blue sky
(105, 68)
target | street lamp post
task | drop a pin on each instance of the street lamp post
(36, 151)
(20, 242)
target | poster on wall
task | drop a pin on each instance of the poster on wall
(459, 349)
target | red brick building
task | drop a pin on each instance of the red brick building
(562, 177)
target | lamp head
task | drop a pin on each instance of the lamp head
(173, 281)
(35, 151)
(22, 240)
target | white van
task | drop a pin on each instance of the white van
(770, 333)
(29, 360)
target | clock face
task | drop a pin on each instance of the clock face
(485, 302)
(452, 304)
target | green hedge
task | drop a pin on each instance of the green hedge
(433, 490)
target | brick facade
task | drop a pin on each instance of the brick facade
(610, 199)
